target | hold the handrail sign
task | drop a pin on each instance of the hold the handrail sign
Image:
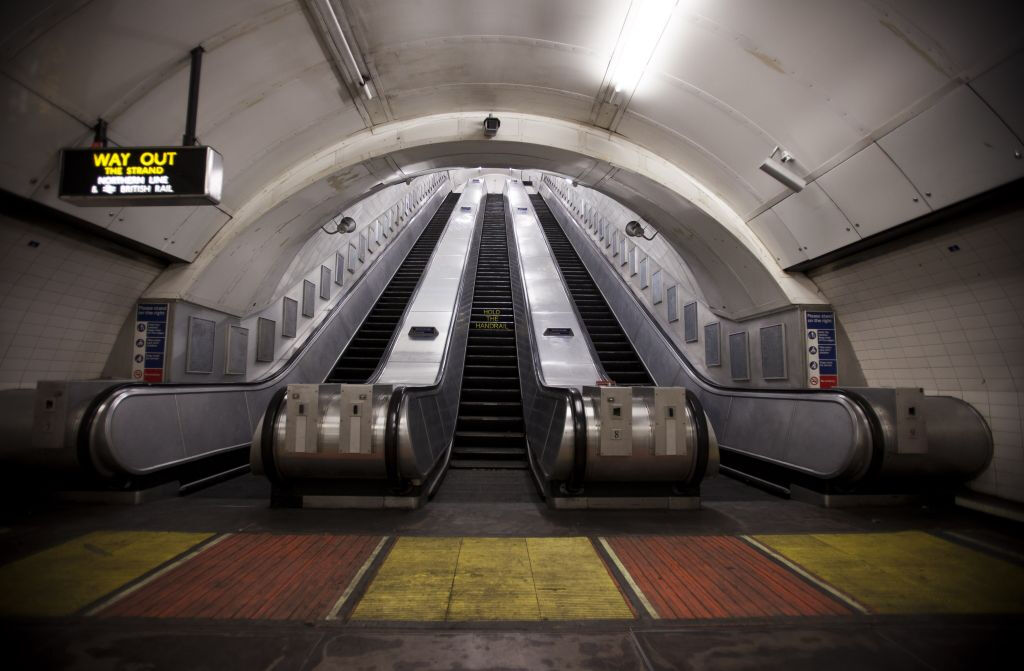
(820, 348)
(141, 176)
(150, 342)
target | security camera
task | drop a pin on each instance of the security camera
(346, 225)
(778, 170)
(491, 124)
(635, 229)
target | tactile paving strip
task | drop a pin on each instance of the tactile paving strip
(64, 579)
(255, 576)
(507, 579)
(906, 572)
(692, 577)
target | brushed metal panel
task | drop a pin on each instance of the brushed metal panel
(815, 222)
(777, 238)
(713, 344)
(1000, 88)
(289, 317)
(690, 322)
(237, 358)
(211, 422)
(955, 149)
(643, 271)
(773, 352)
(872, 192)
(362, 246)
(739, 356)
(308, 298)
(201, 343)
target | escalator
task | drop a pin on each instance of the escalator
(490, 432)
(618, 358)
(363, 354)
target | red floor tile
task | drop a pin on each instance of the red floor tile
(692, 577)
(254, 576)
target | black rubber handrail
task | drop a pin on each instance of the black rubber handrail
(570, 396)
(874, 423)
(396, 482)
(84, 437)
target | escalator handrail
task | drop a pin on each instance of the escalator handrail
(571, 396)
(103, 398)
(412, 299)
(402, 394)
(598, 364)
(874, 422)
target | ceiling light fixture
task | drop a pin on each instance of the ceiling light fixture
(778, 170)
(640, 35)
(341, 43)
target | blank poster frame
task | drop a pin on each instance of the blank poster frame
(265, 329)
(325, 283)
(289, 317)
(672, 307)
(339, 269)
(308, 298)
(766, 365)
(657, 286)
(690, 331)
(353, 258)
(201, 344)
(713, 344)
(644, 262)
(739, 344)
(237, 350)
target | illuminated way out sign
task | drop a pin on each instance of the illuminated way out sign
(141, 176)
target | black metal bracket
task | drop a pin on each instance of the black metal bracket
(189, 139)
(99, 137)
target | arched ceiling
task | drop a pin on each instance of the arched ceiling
(890, 108)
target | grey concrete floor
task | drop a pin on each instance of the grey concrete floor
(503, 504)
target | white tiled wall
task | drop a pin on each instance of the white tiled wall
(920, 312)
(62, 303)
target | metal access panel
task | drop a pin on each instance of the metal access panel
(670, 422)
(644, 262)
(657, 289)
(616, 415)
(355, 426)
(911, 428)
(265, 331)
(302, 418)
(672, 303)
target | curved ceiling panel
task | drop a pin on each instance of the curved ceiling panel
(726, 81)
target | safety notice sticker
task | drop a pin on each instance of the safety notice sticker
(150, 342)
(820, 348)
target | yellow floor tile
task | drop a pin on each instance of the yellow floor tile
(66, 578)
(414, 583)
(572, 582)
(907, 572)
(494, 581)
(474, 579)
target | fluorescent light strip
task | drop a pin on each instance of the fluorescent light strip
(644, 25)
(348, 50)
